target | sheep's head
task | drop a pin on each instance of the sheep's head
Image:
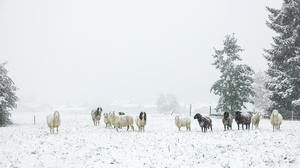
(105, 115)
(258, 113)
(142, 115)
(238, 115)
(198, 116)
(226, 115)
(275, 112)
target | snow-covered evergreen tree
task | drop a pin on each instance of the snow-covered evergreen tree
(235, 84)
(284, 58)
(261, 98)
(8, 96)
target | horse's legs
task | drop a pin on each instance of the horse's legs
(132, 128)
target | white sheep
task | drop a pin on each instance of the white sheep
(276, 119)
(122, 121)
(141, 121)
(107, 119)
(53, 121)
(183, 122)
(255, 119)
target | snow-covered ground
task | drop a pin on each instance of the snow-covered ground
(80, 144)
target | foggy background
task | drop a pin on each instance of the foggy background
(124, 52)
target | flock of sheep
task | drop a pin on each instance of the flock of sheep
(246, 119)
(119, 120)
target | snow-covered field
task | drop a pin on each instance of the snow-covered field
(80, 144)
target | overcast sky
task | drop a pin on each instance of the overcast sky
(106, 51)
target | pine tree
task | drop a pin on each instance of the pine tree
(235, 84)
(284, 58)
(8, 96)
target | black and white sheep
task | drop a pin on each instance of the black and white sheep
(141, 121)
(243, 118)
(204, 122)
(227, 121)
(96, 115)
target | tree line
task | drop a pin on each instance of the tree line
(282, 79)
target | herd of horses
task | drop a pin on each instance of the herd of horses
(120, 119)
